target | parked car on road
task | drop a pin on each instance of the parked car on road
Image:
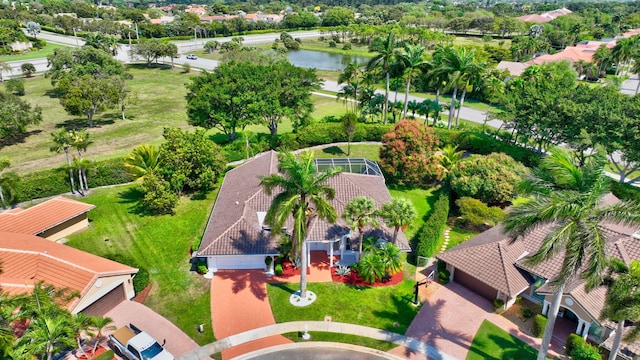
(192, 57)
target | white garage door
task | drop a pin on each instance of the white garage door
(237, 262)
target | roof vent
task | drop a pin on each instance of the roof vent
(636, 234)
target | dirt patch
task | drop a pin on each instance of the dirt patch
(516, 314)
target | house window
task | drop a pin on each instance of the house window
(596, 331)
(536, 285)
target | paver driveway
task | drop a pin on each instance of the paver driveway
(450, 318)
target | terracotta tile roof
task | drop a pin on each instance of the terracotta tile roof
(627, 350)
(535, 18)
(28, 259)
(514, 68)
(43, 216)
(570, 53)
(234, 227)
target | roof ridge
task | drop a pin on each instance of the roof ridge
(503, 261)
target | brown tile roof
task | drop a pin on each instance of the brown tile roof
(234, 228)
(28, 259)
(43, 216)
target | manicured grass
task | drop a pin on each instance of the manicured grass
(160, 244)
(327, 106)
(34, 54)
(317, 45)
(458, 235)
(388, 307)
(343, 338)
(371, 152)
(491, 342)
(422, 200)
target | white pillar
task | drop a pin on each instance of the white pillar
(545, 307)
(579, 327)
(330, 254)
(585, 332)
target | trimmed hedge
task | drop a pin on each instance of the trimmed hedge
(427, 239)
(105, 356)
(624, 191)
(539, 323)
(585, 351)
(573, 340)
(53, 182)
(326, 133)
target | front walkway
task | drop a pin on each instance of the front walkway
(239, 302)
(450, 318)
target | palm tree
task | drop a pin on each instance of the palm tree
(143, 160)
(62, 142)
(460, 65)
(397, 213)
(412, 58)
(448, 157)
(99, 324)
(80, 141)
(47, 335)
(635, 69)
(624, 51)
(350, 76)
(358, 213)
(4, 67)
(602, 58)
(566, 198)
(623, 301)
(303, 194)
(385, 47)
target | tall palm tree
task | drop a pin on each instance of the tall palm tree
(566, 198)
(4, 67)
(358, 213)
(143, 160)
(302, 193)
(412, 59)
(386, 48)
(47, 335)
(460, 65)
(635, 69)
(602, 58)
(623, 301)
(80, 140)
(62, 142)
(397, 213)
(624, 51)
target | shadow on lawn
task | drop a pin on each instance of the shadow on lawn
(400, 314)
(83, 123)
(18, 139)
(334, 150)
(132, 196)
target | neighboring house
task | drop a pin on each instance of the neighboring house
(545, 17)
(53, 219)
(100, 283)
(237, 238)
(496, 268)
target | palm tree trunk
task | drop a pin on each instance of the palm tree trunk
(303, 270)
(406, 99)
(452, 108)
(615, 347)
(395, 234)
(73, 185)
(385, 106)
(4, 206)
(464, 92)
(360, 243)
(552, 314)
(638, 87)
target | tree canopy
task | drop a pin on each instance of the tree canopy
(16, 115)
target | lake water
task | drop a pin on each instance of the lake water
(322, 60)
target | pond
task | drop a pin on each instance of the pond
(322, 60)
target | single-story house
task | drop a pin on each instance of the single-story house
(496, 268)
(100, 283)
(52, 219)
(237, 238)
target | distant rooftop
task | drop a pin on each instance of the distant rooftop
(352, 165)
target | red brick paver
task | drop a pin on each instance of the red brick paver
(450, 318)
(239, 302)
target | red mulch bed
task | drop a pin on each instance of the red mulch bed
(289, 270)
(142, 295)
(355, 280)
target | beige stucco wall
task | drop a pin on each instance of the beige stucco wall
(68, 227)
(102, 286)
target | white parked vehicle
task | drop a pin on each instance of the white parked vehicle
(133, 344)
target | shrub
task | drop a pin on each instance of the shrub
(526, 312)
(105, 356)
(186, 68)
(585, 351)
(427, 238)
(15, 86)
(268, 260)
(443, 276)
(346, 46)
(278, 269)
(343, 270)
(107, 172)
(498, 304)
(477, 214)
(332, 44)
(141, 280)
(573, 340)
(158, 197)
(327, 133)
(201, 266)
(539, 323)
(28, 69)
(441, 265)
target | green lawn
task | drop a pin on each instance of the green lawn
(35, 54)
(422, 200)
(160, 244)
(387, 307)
(458, 235)
(343, 338)
(491, 342)
(317, 45)
(371, 152)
